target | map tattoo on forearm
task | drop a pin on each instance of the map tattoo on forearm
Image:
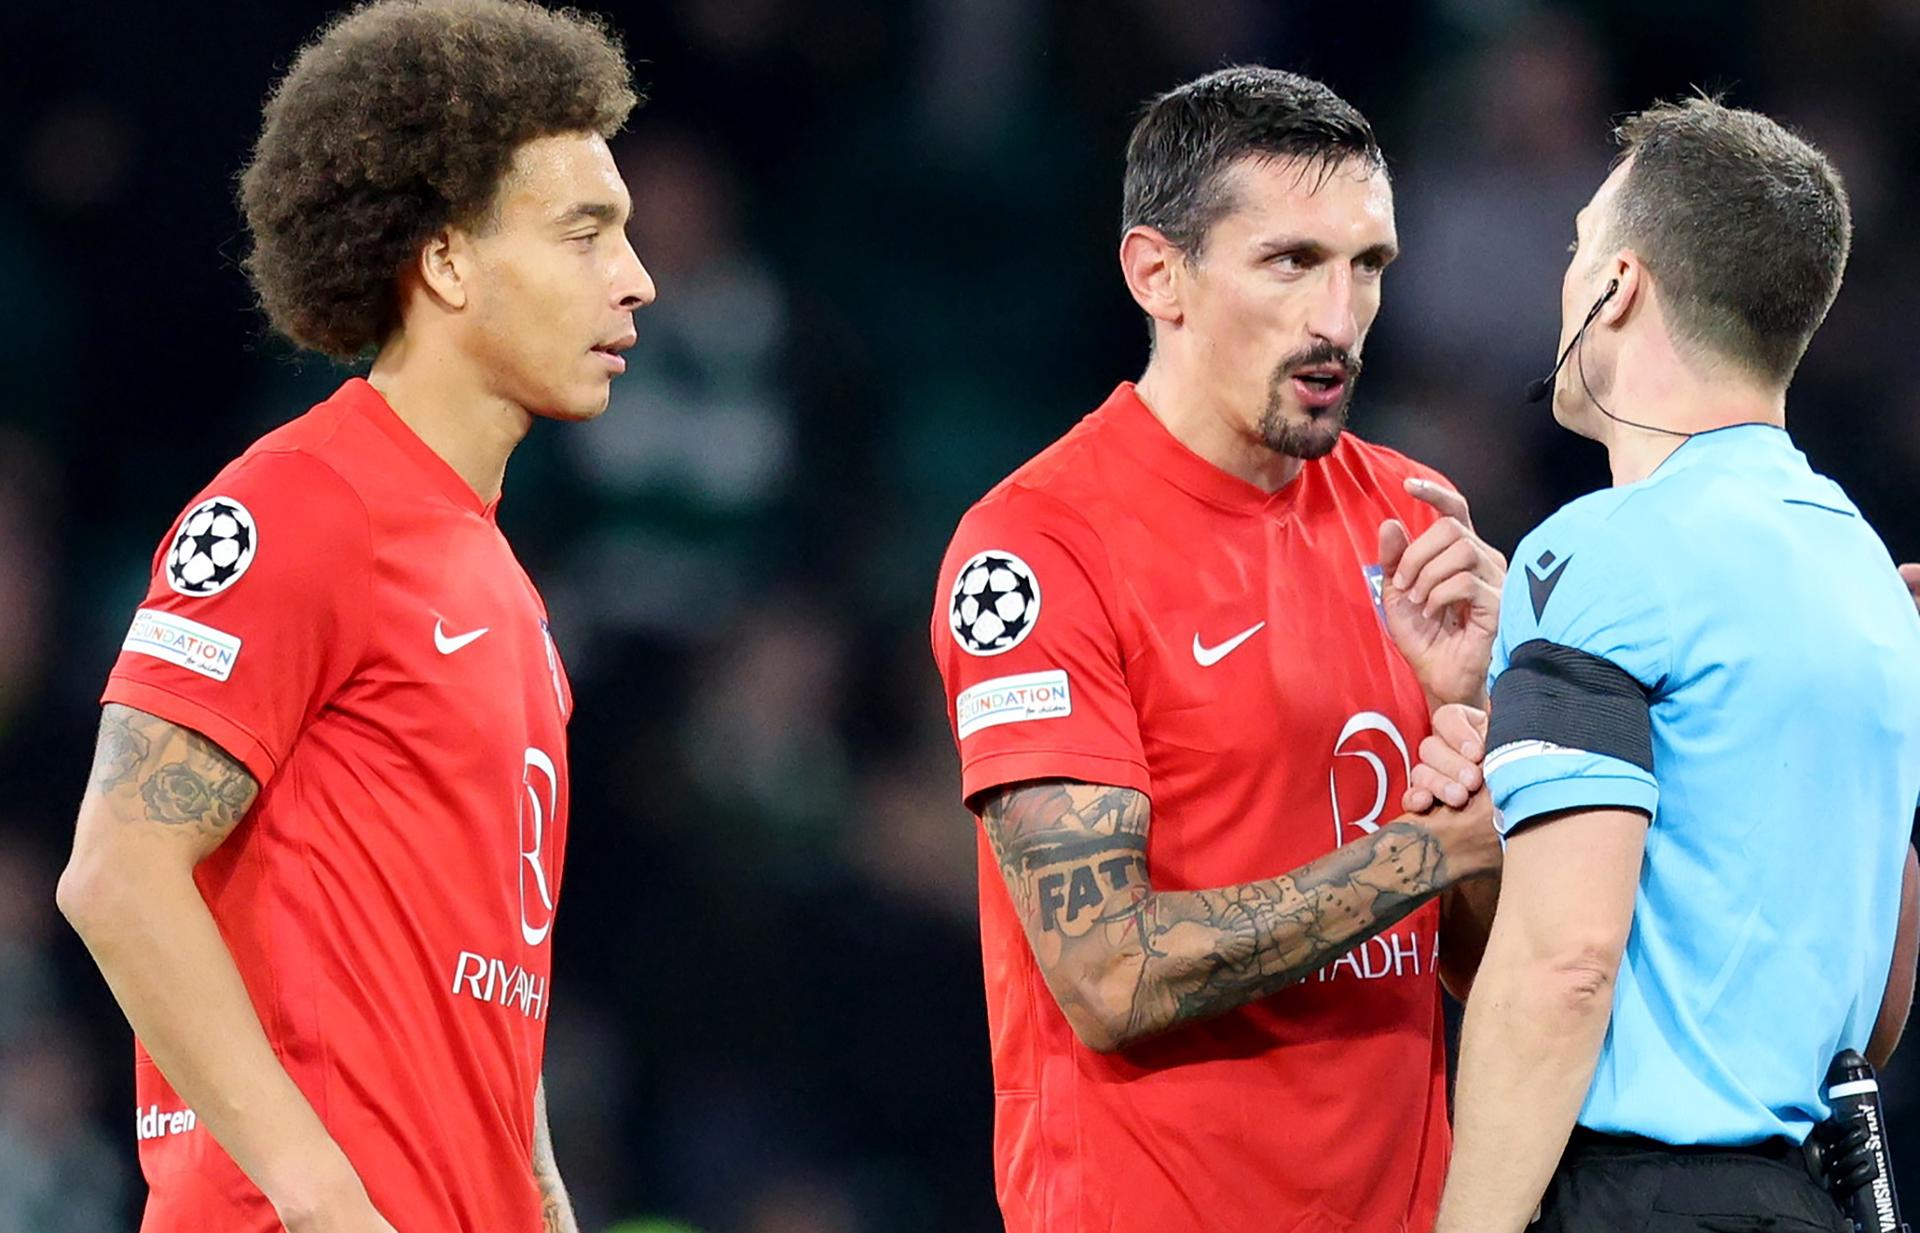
(169, 774)
(1131, 961)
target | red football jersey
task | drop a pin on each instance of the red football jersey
(1120, 611)
(339, 611)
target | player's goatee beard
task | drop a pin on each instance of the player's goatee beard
(1315, 436)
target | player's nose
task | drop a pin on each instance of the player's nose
(633, 286)
(1333, 319)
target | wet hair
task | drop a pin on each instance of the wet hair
(401, 117)
(1189, 138)
(1743, 224)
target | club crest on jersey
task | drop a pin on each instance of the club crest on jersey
(553, 668)
(216, 543)
(1376, 587)
(995, 603)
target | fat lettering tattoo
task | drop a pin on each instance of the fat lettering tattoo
(1127, 962)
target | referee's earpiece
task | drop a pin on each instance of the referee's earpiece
(1541, 388)
(1536, 390)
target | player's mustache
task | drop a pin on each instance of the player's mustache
(1323, 353)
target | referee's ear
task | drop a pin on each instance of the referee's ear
(1631, 275)
(1147, 261)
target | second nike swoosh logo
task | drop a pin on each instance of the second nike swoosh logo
(1208, 656)
(448, 645)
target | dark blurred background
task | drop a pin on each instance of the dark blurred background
(884, 240)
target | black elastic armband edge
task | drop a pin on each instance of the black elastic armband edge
(1572, 699)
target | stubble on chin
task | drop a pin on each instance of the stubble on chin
(1309, 439)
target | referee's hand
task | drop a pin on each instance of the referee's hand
(1910, 574)
(1449, 770)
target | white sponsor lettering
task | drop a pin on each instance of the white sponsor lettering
(1013, 699)
(193, 646)
(1389, 955)
(152, 1123)
(494, 982)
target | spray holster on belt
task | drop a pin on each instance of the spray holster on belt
(1848, 1153)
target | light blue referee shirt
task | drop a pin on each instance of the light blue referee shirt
(1779, 657)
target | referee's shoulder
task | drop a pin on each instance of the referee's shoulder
(1617, 518)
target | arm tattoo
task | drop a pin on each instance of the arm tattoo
(1127, 962)
(123, 747)
(556, 1208)
(169, 774)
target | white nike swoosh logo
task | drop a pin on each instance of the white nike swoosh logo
(1208, 656)
(446, 645)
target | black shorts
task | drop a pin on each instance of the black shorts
(1615, 1185)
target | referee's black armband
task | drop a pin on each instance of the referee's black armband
(1573, 699)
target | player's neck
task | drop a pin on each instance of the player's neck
(1196, 419)
(1676, 397)
(440, 396)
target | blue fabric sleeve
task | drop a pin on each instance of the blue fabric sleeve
(1580, 581)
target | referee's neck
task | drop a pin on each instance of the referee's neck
(1684, 401)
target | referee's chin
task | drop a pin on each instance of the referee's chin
(1575, 412)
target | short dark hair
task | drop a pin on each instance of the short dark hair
(1190, 137)
(399, 118)
(1743, 224)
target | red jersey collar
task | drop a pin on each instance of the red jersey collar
(1140, 432)
(363, 398)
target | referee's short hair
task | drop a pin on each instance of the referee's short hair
(1190, 137)
(1743, 224)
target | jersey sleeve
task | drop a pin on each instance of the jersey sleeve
(1024, 637)
(257, 609)
(1582, 651)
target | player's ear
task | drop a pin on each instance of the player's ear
(445, 265)
(1147, 261)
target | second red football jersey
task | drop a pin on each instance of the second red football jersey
(338, 610)
(1120, 611)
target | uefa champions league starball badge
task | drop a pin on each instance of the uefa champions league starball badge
(995, 602)
(216, 543)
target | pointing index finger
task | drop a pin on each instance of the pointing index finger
(1450, 503)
